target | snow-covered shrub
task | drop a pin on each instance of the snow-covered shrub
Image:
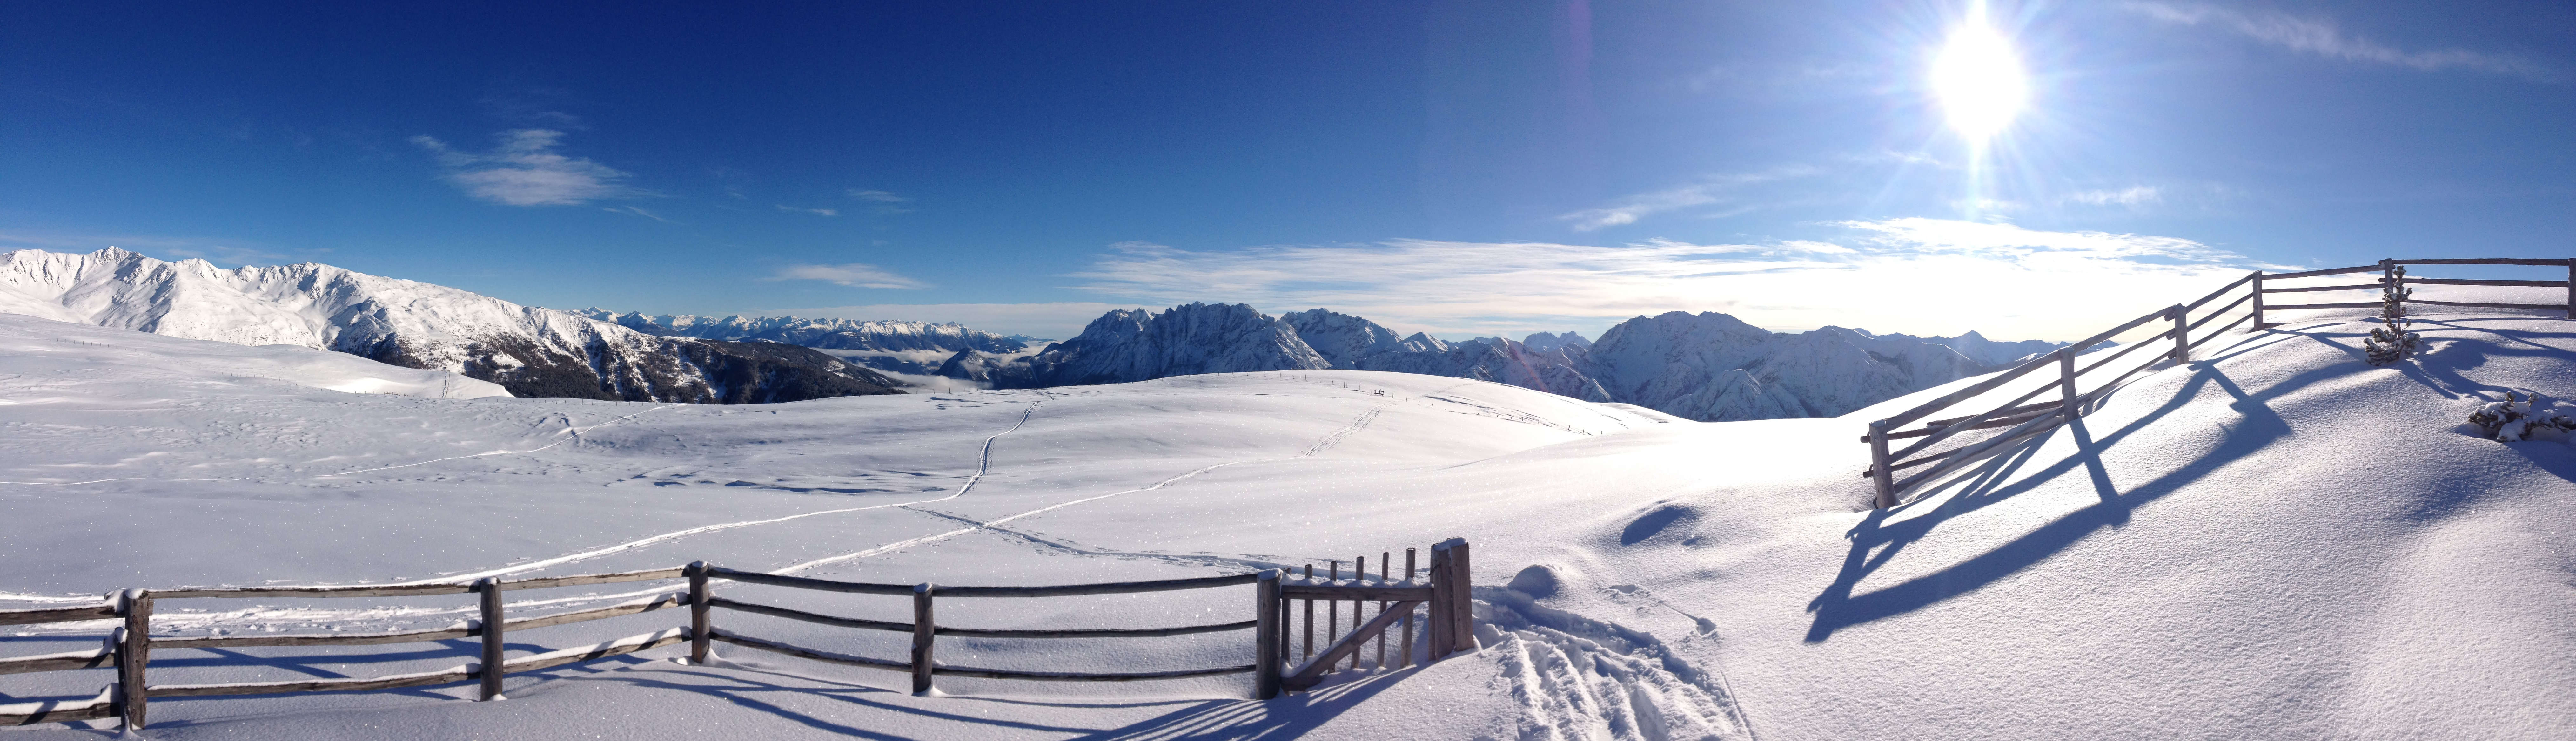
(2517, 417)
(2391, 343)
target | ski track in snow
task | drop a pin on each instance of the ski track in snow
(569, 432)
(265, 618)
(983, 464)
(1579, 678)
(1326, 443)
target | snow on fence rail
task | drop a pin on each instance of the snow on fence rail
(2029, 420)
(129, 648)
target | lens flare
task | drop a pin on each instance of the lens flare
(1979, 79)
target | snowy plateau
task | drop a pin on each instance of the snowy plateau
(2271, 540)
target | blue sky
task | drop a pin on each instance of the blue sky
(1458, 167)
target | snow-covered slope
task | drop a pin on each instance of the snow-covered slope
(58, 355)
(2274, 540)
(530, 351)
(1708, 367)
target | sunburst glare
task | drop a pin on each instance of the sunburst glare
(1979, 79)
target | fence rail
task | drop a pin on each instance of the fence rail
(2026, 421)
(129, 647)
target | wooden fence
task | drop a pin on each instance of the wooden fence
(2026, 421)
(1446, 594)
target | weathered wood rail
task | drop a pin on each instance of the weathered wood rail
(2025, 421)
(128, 649)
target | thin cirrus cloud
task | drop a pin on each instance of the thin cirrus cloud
(877, 196)
(854, 275)
(524, 170)
(2138, 195)
(814, 211)
(2323, 38)
(637, 211)
(1918, 276)
(1711, 191)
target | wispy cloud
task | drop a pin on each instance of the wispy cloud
(1713, 190)
(1900, 275)
(635, 211)
(524, 170)
(814, 211)
(877, 196)
(2323, 38)
(2136, 195)
(854, 275)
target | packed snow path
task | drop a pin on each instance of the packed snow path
(2273, 540)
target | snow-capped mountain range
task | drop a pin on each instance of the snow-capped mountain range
(825, 334)
(1708, 367)
(528, 350)
(909, 348)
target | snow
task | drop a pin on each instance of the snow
(539, 351)
(2274, 540)
(74, 356)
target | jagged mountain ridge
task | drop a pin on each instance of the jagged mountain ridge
(1708, 366)
(528, 350)
(1132, 345)
(824, 334)
(915, 348)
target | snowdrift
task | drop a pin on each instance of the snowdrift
(2272, 540)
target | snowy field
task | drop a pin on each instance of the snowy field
(2274, 540)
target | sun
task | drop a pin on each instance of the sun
(1979, 79)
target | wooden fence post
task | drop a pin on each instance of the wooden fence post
(1333, 607)
(1879, 474)
(2571, 288)
(1463, 591)
(1407, 648)
(1265, 652)
(1359, 573)
(2181, 333)
(1436, 628)
(2066, 372)
(2258, 300)
(1307, 649)
(923, 630)
(134, 654)
(1385, 565)
(490, 588)
(702, 635)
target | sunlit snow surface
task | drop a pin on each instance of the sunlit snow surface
(2273, 541)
